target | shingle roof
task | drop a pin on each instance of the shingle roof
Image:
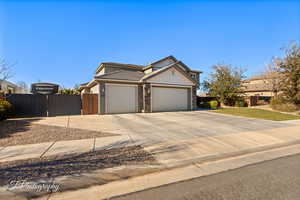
(125, 65)
(122, 75)
(265, 76)
(138, 75)
(122, 65)
(165, 58)
(258, 87)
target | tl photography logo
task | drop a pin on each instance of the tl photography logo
(33, 186)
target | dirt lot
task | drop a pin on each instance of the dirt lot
(19, 132)
(72, 164)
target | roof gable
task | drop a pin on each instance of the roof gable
(163, 62)
(171, 74)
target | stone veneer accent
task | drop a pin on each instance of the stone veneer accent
(101, 104)
(194, 97)
(189, 99)
(147, 97)
(140, 98)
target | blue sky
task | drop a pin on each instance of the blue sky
(64, 42)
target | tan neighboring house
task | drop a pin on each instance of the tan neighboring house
(165, 85)
(262, 85)
(10, 88)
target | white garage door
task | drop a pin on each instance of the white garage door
(169, 99)
(121, 98)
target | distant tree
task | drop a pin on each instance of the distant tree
(69, 91)
(23, 85)
(272, 75)
(76, 86)
(225, 83)
(5, 70)
(289, 67)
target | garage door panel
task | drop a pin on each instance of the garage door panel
(169, 99)
(121, 99)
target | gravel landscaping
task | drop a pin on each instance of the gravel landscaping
(72, 164)
(19, 132)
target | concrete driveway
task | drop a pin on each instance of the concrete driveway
(165, 126)
(174, 139)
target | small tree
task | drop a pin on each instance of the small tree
(290, 69)
(69, 91)
(23, 85)
(272, 76)
(225, 83)
(5, 70)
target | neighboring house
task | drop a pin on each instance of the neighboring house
(262, 85)
(164, 85)
(10, 88)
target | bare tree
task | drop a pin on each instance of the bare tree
(5, 70)
(272, 76)
(290, 69)
(23, 85)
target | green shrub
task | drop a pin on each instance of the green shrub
(282, 105)
(277, 101)
(240, 103)
(6, 110)
(204, 105)
(214, 104)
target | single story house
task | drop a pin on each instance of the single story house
(165, 85)
(7, 87)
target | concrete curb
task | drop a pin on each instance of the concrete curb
(212, 158)
(157, 179)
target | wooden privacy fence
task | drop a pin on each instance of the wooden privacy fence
(45, 105)
(89, 104)
(64, 104)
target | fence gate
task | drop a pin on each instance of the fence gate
(36, 105)
(89, 104)
(28, 105)
(64, 104)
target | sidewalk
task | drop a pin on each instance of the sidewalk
(176, 153)
(157, 179)
(12, 153)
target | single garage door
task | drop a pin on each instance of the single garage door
(121, 98)
(169, 99)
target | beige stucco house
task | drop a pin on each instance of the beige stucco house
(10, 88)
(164, 85)
(262, 85)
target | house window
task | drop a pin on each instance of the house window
(193, 76)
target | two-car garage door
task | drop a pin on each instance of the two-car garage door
(121, 98)
(170, 99)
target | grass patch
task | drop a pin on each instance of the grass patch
(257, 113)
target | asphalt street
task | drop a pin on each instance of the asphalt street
(277, 179)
